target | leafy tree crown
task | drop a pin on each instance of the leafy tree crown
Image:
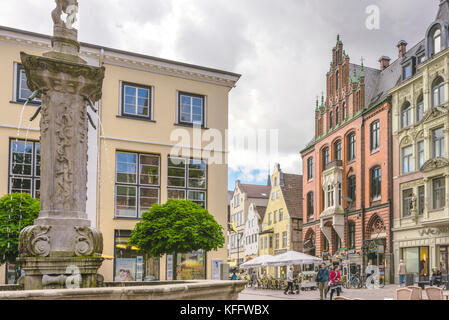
(178, 226)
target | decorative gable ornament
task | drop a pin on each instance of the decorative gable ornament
(433, 164)
(435, 112)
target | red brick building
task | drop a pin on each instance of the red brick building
(347, 171)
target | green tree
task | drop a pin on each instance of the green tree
(17, 211)
(179, 226)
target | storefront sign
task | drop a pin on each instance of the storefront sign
(433, 231)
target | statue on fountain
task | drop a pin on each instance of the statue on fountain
(69, 7)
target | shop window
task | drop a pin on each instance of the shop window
(130, 264)
(190, 266)
(417, 261)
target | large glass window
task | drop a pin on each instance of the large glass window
(351, 147)
(420, 109)
(22, 91)
(438, 143)
(417, 261)
(438, 92)
(191, 109)
(190, 266)
(375, 135)
(310, 206)
(337, 150)
(376, 185)
(439, 193)
(24, 167)
(136, 100)
(407, 196)
(436, 41)
(406, 115)
(130, 264)
(187, 179)
(310, 168)
(421, 199)
(352, 188)
(407, 164)
(325, 157)
(137, 183)
(420, 154)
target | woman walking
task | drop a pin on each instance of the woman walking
(335, 281)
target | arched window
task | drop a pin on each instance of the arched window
(351, 147)
(420, 108)
(325, 157)
(376, 183)
(337, 150)
(337, 85)
(375, 135)
(406, 115)
(310, 206)
(438, 92)
(337, 111)
(436, 41)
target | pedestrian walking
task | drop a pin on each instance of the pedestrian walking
(322, 280)
(289, 281)
(254, 279)
(335, 281)
(402, 271)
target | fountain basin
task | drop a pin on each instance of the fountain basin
(176, 290)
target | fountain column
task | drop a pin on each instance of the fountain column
(61, 249)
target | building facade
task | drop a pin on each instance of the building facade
(252, 229)
(347, 200)
(421, 161)
(137, 157)
(244, 196)
(282, 224)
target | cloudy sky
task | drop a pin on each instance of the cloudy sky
(281, 48)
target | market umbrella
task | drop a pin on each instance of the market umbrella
(292, 258)
(257, 262)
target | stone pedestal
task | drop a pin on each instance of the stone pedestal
(62, 240)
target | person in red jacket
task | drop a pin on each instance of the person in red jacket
(335, 281)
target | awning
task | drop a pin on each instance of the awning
(257, 262)
(293, 258)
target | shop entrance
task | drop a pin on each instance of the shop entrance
(417, 262)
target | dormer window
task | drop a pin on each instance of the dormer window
(407, 71)
(437, 41)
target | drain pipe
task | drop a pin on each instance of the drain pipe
(99, 144)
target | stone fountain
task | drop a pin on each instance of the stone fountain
(61, 249)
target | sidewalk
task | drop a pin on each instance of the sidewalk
(388, 292)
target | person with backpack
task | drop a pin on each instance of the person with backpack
(322, 280)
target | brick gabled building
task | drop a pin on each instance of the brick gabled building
(347, 171)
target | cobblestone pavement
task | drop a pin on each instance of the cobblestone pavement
(386, 293)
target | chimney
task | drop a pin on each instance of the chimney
(402, 46)
(384, 62)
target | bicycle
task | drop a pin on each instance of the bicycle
(353, 282)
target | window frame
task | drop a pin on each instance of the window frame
(408, 201)
(310, 168)
(441, 190)
(437, 92)
(186, 187)
(18, 80)
(441, 141)
(203, 111)
(409, 159)
(338, 156)
(406, 110)
(138, 184)
(375, 135)
(352, 147)
(310, 206)
(150, 89)
(376, 183)
(33, 177)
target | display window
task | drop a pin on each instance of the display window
(417, 260)
(130, 264)
(190, 266)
